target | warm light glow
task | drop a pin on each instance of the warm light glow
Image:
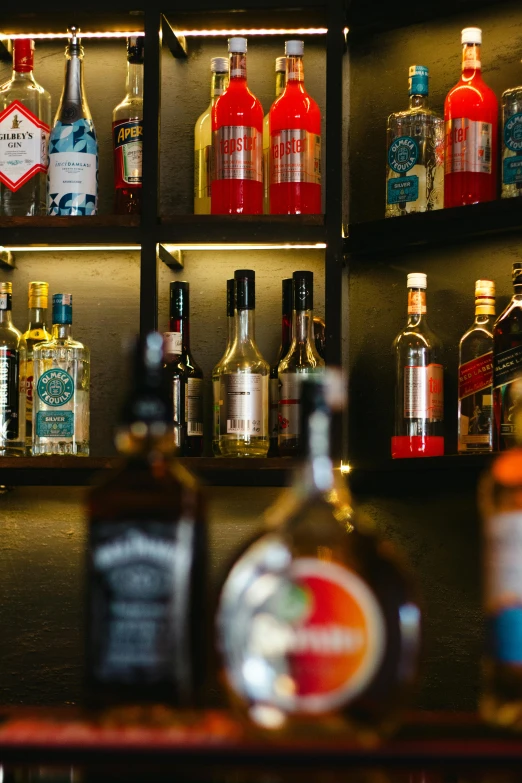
(59, 248)
(266, 246)
(52, 36)
(254, 31)
(345, 468)
(346, 30)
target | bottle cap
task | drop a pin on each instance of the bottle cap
(148, 399)
(245, 289)
(6, 288)
(38, 294)
(219, 65)
(237, 45)
(485, 288)
(471, 35)
(288, 295)
(294, 48)
(23, 55)
(74, 44)
(418, 80)
(135, 49)
(416, 280)
(303, 290)
(231, 298)
(280, 64)
(62, 309)
(179, 299)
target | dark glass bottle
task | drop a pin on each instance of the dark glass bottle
(507, 364)
(146, 559)
(286, 341)
(185, 377)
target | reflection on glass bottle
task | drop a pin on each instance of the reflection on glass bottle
(216, 388)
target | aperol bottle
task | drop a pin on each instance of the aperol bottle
(295, 143)
(237, 137)
(471, 117)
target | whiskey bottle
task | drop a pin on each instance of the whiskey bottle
(286, 341)
(507, 364)
(419, 386)
(127, 135)
(61, 369)
(72, 185)
(318, 623)
(184, 376)
(36, 333)
(243, 382)
(302, 359)
(25, 118)
(203, 138)
(216, 384)
(146, 559)
(415, 140)
(476, 375)
(280, 68)
(12, 379)
(512, 142)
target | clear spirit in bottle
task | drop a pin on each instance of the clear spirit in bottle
(507, 364)
(419, 381)
(280, 68)
(476, 375)
(36, 333)
(286, 342)
(12, 383)
(127, 135)
(216, 372)
(415, 164)
(25, 118)
(72, 185)
(203, 138)
(61, 388)
(512, 142)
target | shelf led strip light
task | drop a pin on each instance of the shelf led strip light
(180, 33)
(169, 248)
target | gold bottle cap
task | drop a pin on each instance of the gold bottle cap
(6, 288)
(485, 288)
(38, 294)
(484, 297)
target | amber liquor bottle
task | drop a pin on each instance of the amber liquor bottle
(286, 341)
(507, 364)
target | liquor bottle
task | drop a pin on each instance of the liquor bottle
(471, 116)
(146, 560)
(12, 383)
(507, 364)
(203, 138)
(415, 140)
(36, 333)
(185, 377)
(280, 68)
(419, 385)
(476, 375)
(61, 388)
(243, 382)
(127, 134)
(286, 342)
(512, 142)
(320, 336)
(302, 359)
(216, 384)
(25, 119)
(295, 143)
(318, 623)
(237, 137)
(72, 185)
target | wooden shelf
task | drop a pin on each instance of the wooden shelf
(77, 230)
(242, 229)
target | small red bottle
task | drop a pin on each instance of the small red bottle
(237, 138)
(471, 117)
(295, 143)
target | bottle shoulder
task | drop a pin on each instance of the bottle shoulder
(60, 345)
(237, 106)
(130, 108)
(301, 358)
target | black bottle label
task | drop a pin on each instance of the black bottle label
(9, 396)
(507, 366)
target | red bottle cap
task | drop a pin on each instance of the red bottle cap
(23, 55)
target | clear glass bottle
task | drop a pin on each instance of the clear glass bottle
(286, 342)
(185, 376)
(476, 375)
(302, 359)
(61, 388)
(146, 600)
(72, 184)
(419, 382)
(507, 364)
(243, 382)
(127, 134)
(231, 333)
(36, 333)
(203, 138)
(25, 119)
(415, 161)
(12, 379)
(318, 622)
(512, 142)
(280, 68)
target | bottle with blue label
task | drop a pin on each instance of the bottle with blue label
(72, 179)
(512, 143)
(415, 153)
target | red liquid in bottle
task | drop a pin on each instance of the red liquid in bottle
(295, 144)
(471, 116)
(237, 137)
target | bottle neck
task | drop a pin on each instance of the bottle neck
(72, 104)
(302, 325)
(245, 323)
(280, 83)
(470, 59)
(218, 85)
(6, 317)
(181, 325)
(294, 69)
(418, 101)
(317, 472)
(62, 331)
(237, 67)
(416, 304)
(134, 80)
(37, 317)
(231, 320)
(23, 76)
(286, 333)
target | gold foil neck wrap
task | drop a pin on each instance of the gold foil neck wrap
(416, 302)
(6, 288)
(484, 297)
(38, 295)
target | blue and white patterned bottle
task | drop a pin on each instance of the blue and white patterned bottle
(72, 180)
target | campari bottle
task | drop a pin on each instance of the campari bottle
(237, 137)
(471, 117)
(295, 143)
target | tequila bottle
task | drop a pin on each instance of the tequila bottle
(280, 67)
(36, 333)
(127, 134)
(61, 388)
(12, 383)
(203, 138)
(216, 383)
(512, 142)
(415, 139)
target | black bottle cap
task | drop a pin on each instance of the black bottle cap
(517, 272)
(231, 297)
(288, 295)
(303, 290)
(135, 49)
(148, 398)
(245, 289)
(179, 299)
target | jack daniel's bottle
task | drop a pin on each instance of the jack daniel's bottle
(507, 364)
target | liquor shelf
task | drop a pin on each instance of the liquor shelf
(77, 230)
(245, 229)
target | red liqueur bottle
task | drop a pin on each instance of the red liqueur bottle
(471, 116)
(237, 138)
